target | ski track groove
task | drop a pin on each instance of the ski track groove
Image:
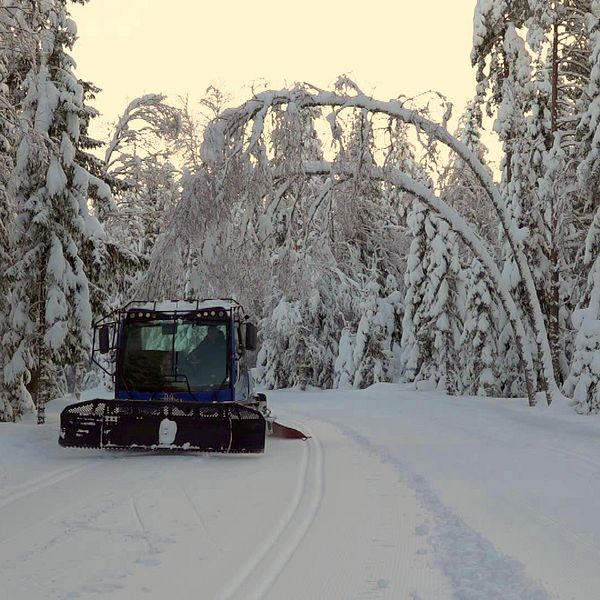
(43, 546)
(37, 484)
(200, 519)
(134, 507)
(277, 550)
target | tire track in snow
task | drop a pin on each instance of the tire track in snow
(257, 576)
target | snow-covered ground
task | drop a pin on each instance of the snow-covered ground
(399, 495)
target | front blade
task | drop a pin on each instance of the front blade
(285, 431)
(226, 427)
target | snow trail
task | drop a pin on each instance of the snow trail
(470, 561)
(37, 484)
(272, 556)
(519, 479)
(200, 518)
(363, 541)
(398, 495)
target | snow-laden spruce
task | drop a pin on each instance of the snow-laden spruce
(50, 315)
(252, 114)
(544, 98)
(8, 139)
(431, 323)
(272, 204)
(583, 383)
(518, 185)
(589, 126)
(480, 370)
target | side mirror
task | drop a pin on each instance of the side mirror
(251, 337)
(104, 339)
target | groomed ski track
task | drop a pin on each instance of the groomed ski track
(346, 515)
(256, 576)
(313, 519)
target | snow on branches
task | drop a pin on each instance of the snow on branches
(241, 136)
(54, 233)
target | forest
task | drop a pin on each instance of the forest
(370, 241)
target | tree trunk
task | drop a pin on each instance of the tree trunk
(553, 294)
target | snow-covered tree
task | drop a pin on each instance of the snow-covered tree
(431, 325)
(375, 344)
(282, 353)
(300, 330)
(192, 123)
(542, 97)
(518, 187)
(589, 126)
(50, 316)
(461, 188)
(367, 236)
(6, 205)
(480, 373)
(236, 158)
(584, 379)
(583, 382)
(15, 50)
(415, 280)
(302, 261)
(138, 165)
(143, 208)
(143, 132)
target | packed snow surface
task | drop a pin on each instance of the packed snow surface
(399, 494)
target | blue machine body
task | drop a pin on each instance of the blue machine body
(181, 377)
(227, 316)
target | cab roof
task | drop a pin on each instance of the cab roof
(184, 306)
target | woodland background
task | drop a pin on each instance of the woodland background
(369, 242)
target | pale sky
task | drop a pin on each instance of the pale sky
(177, 47)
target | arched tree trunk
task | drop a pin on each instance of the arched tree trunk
(471, 240)
(232, 121)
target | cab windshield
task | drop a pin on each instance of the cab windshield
(163, 356)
